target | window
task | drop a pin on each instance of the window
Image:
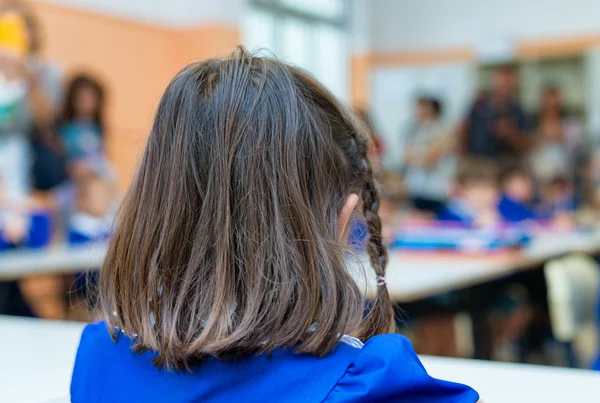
(311, 34)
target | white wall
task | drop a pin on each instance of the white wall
(404, 25)
(169, 13)
(360, 25)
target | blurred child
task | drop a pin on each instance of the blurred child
(82, 127)
(91, 221)
(517, 197)
(25, 224)
(559, 202)
(476, 195)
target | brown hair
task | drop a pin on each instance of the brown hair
(76, 84)
(227, 241)
(477, 170)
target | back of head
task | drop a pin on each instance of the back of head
(477, 170)
(227, 241)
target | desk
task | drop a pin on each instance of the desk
(37, 360)
(518, 383)
(410, 277)
(60, 259)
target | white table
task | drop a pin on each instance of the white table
(518, 383)
(37, 359)
(58, 259)
(409, 277)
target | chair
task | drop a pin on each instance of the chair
(573, 284)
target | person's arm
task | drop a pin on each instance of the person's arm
(513, 131)
(440, 148)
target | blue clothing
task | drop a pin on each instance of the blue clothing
(81, 139)
(40, 231)
(385, 369)
(457, 212)
(84, 228)
(514, 211)
(359, 233)
(548, 210)
(84, 142)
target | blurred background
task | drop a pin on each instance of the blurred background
(485, 126)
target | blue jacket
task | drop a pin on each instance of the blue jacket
(385, 369)
(514, 211)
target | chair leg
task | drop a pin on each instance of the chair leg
(570, 355)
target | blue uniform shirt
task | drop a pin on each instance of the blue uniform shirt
(514, 211)
(385, 369)
(456, 211)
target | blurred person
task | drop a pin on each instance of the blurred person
(518, 194)
(226, 278)
(429, 165)
(30, 91)
(475, 196)
(557, 139)
(495, 126)
(559, 202)
(82, 127)
(91, 220)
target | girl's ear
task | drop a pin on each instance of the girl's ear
(346, 212)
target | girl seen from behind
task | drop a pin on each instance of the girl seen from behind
(226, 276)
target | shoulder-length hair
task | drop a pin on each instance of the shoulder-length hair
(227, 241)
(76, 84)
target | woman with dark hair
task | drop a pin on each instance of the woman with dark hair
(226, 278)
(82, 127)
(428, 163)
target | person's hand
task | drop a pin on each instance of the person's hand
(79, 169)
(16, 227)
(486, 219)
(410, 158)
(504, 128)
(564, 220)
(431, 159)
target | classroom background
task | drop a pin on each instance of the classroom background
(484, 125)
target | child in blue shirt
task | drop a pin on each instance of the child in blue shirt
(226, 280)
(92, 219)
(518, 189)
(475, 196)
(91, 222)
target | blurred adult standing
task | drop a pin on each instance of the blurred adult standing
(30, 94)
(496, 124)
(429, 166)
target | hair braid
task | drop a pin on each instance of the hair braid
(380, 315)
